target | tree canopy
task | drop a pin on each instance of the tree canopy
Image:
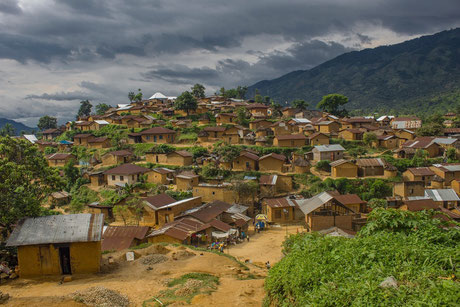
(300, 104)
(102, 108)
(186, 102)
(135, 97)
(7, 130)
(26, 180)
(85, 108)
(331, 103)
(47, 122)
(198, 91)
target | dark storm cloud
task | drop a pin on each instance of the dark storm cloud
(182, 74)
(228, 71)
(10, 7)
(102, 28)
(62, 96)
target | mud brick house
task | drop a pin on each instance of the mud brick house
(58, 244)
(158, 135)
(290, 140)
(344, 169)
(161, 175)
(424, 174)
(246, 161)
(272, 162)
(59, 159)
(117, 157)
(125, 174)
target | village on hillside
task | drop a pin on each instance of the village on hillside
(214, 175)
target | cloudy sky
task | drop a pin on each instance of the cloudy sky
(54, 53)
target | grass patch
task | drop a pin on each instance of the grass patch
(184, 289)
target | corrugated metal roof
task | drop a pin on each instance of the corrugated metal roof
(58, 229)
(370, 162)
(331, 147)
(349, 199)
(442, 194)
(311, 204)
(121, 237)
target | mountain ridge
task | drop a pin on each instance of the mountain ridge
(17, 125)
(423, 71)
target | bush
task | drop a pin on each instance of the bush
(334, 271)
(323, 165)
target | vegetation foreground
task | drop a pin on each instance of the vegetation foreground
(419, 251)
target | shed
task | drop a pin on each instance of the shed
(58, 244)
(117, 238)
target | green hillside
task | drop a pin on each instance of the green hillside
(422, 75)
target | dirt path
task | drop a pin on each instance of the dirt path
(141, 282)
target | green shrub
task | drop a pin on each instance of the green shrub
(323, 165)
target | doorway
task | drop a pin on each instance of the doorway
(64, 257)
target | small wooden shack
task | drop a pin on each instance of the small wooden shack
(58, 244)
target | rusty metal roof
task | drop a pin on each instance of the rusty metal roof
(421, 171)
(121, 237)
(281, 202)
(291, 137)
(374, 162)
(158, 201)
(127, 169)
(58, 229)
(349, 199)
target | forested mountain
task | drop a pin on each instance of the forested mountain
(419, 75)
(18, 127)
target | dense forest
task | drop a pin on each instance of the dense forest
(422, 75)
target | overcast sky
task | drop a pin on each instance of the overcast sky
(54, 53)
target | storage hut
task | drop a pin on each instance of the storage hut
(58, 244)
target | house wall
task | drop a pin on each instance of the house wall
(156, 158)
(214, 193)
(158, 178)
(277, 215)
(271, 164)
(345, 170)
(370, 171)
(319, 140)
(112, 180)
(405, 189)
(106, 144)
(175, 159)
(320, 222)
(239, 164)
(165, 239)
(284, 183)
(331, 155)
(288, 143)
(37, 260)
(158, 138)
(186, 184)
(172, 212)
(57, 163)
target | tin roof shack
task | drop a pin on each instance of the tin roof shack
(179, 231)
(322, 211)
(58, 244)
(271, 185)
(59, 198)
(125, 174)
(447, 171)
(117, 238)
(328, 152)
(424, 174)
(280, 210)
(290, 140)
(446, 198)
(98, 208)
(161, 175)
(117, 157)
(351, 134)
(99, 143)
(409, 188)
(386, 141)
(343, 169)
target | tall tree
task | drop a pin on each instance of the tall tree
(7, 130)
(26, 180)
(300, 104)
(186, 102)
(47, 122)
(242, 90)
(331, 103)
(198, 91)
(131, 96)
(138, 96)
(102, 108)
(85, 108)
